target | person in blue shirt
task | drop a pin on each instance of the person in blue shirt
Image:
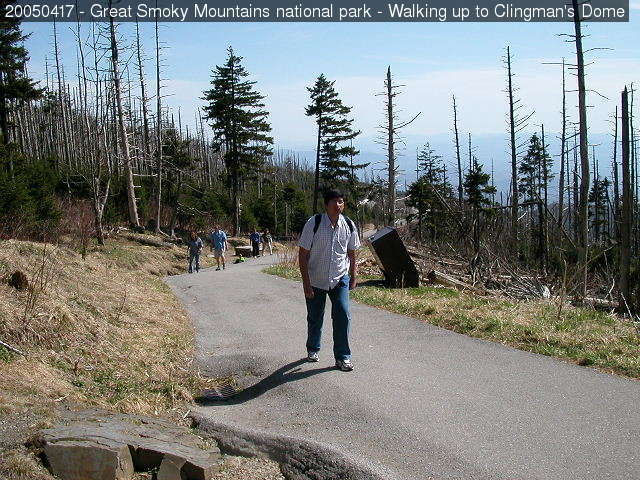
(218, 245)
(256, 240)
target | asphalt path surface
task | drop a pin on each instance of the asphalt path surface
(422, 402)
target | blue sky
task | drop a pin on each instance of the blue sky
(432, 61)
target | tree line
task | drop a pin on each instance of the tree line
(96, 136)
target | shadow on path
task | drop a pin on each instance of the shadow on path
(285, 374)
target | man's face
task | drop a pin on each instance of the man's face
(335, 206)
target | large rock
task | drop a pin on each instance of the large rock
(84, 459)
(92, 445)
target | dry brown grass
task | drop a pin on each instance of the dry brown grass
(101, 331)
(21, 464)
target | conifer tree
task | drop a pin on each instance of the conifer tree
(239, 122)
(428, 193)
(15, 85)
(478, 193)
(334, 129)
(477, 187)
(533, 178)
(598, 207)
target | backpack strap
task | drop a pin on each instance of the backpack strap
(350, 223)
(318, 218)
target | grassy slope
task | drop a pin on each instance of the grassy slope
(583, 336)
(102, 331)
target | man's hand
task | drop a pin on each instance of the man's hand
(308, 291)
(353, 282)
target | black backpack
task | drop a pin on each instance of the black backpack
(318, 218)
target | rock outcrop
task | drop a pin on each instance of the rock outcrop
(96, 445)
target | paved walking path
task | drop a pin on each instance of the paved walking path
(422, 403)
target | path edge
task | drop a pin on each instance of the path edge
(299, 459)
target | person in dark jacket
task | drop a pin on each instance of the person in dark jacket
(256, 240)
(194, 246)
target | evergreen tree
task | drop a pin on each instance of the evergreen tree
(598, 207)
(239, 122)
(15, 85)
(477, 188)
(334, 129)
(478, 193)
(533, 184)
(176, 162)
(429, 191)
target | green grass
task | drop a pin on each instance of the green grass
(6, 356)
(583, 336)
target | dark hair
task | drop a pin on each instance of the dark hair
(331, 194)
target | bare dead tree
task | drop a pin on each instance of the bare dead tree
(122, 132)
(627, 208)
(583, 206)
(158, 135)
(457, 143)
(517, 123)
(391, 131)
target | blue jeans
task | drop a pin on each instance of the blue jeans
(340, 315)
(194, 262)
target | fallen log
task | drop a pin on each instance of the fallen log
(600, 303)
(149, 241)
(11, 349)
(442, 279)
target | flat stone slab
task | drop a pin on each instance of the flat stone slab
(90, 445)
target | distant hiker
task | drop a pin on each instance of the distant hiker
(218, 245)
(256, 239)
(195, 248)
(267, 239)
(327, 260)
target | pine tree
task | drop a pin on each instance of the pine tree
(477, 187)
(533, 181)
(478, 193)
(177, 161)
(239, 122)
(15, 85)
(334, 129)
(598, 207)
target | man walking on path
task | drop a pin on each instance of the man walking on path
(195, 248)
(327, 260)
(218, 245)
(256, 239)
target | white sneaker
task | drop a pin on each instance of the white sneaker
(344, 365)
(313, 357)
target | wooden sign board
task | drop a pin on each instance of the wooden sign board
(393, 259)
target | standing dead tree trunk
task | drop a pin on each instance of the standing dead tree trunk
(517, 123)
(626, 213)
(563, 147)
(122, 131)
(583, 207)
(391, 131)
(158, 135)
(457, 142)
(614, 171)
(391, 156)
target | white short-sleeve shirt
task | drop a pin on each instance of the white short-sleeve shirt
(328, 261)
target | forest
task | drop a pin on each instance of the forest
(87, 149)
